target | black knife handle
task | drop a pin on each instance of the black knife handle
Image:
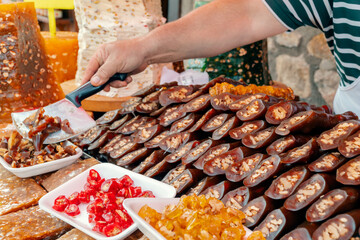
(88, 89)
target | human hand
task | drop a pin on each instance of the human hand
(126, 56)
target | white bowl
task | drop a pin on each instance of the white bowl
(42, 168)
(133, 205)
(106, 170)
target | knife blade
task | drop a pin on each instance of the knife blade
(68, 108)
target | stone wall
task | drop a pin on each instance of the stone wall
(302, 60)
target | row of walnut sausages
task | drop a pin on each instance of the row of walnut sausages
(289, 166)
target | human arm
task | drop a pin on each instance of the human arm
(207, 31)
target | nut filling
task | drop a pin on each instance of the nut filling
(216, 122)
(328, 161)
(182, 124)
(235, 201)
(159, 137)
(197, 103)
(223, 163)
(215, 153)
(175, 173)
(335, 230)
(246, 166)
(308, 191)
(212, 193)
(264, 168)
(250, 110)
(226, 100)
(248, 128)
(339, 131)
(250, 212)
(145, 133)
(352, 171)
(260, 136)
(196, 190)
(181, 181)
(224, 127)
(181, 152)
(179, 94)
(301, 151)
(283, 144)
(272, 225)
(292, 121)
(279, 113)
(199, 149)
(326, 203)
(286, 184)
(352, 146)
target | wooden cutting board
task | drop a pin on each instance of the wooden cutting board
(95, 103)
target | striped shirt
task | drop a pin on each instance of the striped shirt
(338, 19)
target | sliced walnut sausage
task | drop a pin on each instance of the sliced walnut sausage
(260, 138)
(309, 191)
(241, 169)
(349, 173)
(331, 139)
(334, 202)
(247, 128)
(286, 184)
(327, 162)
(287, 143)
(343, 226)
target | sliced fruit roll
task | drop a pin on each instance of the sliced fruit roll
(246, 128)
(309, 191)
(348, 174)
(331, 139)
(334, 202)
(241, 169)
(256, 210)
(327, 162)
(343, 226)
(286, 184)
(219, 164)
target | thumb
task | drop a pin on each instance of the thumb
(103, 74)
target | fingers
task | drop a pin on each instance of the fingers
(91, 69)
(118, 84)
(103, 73)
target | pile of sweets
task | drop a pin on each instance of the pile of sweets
(291, 167)
(25, 80)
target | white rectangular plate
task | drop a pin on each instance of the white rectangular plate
(106, 170)
(42, 168)
(133, 205)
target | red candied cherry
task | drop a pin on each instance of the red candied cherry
(134, 191)
(99, 226)
(108, 197)
(89, 189)
(147, 194)
(72, 210)
(74, 198)
(96, 207)
(84, 197)
(126, 181)
(60, 203)
(110, 185)
(123, 192)
(95, 184)
(108, 217)
(93, 175)
(93, 218)
(112, 229)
